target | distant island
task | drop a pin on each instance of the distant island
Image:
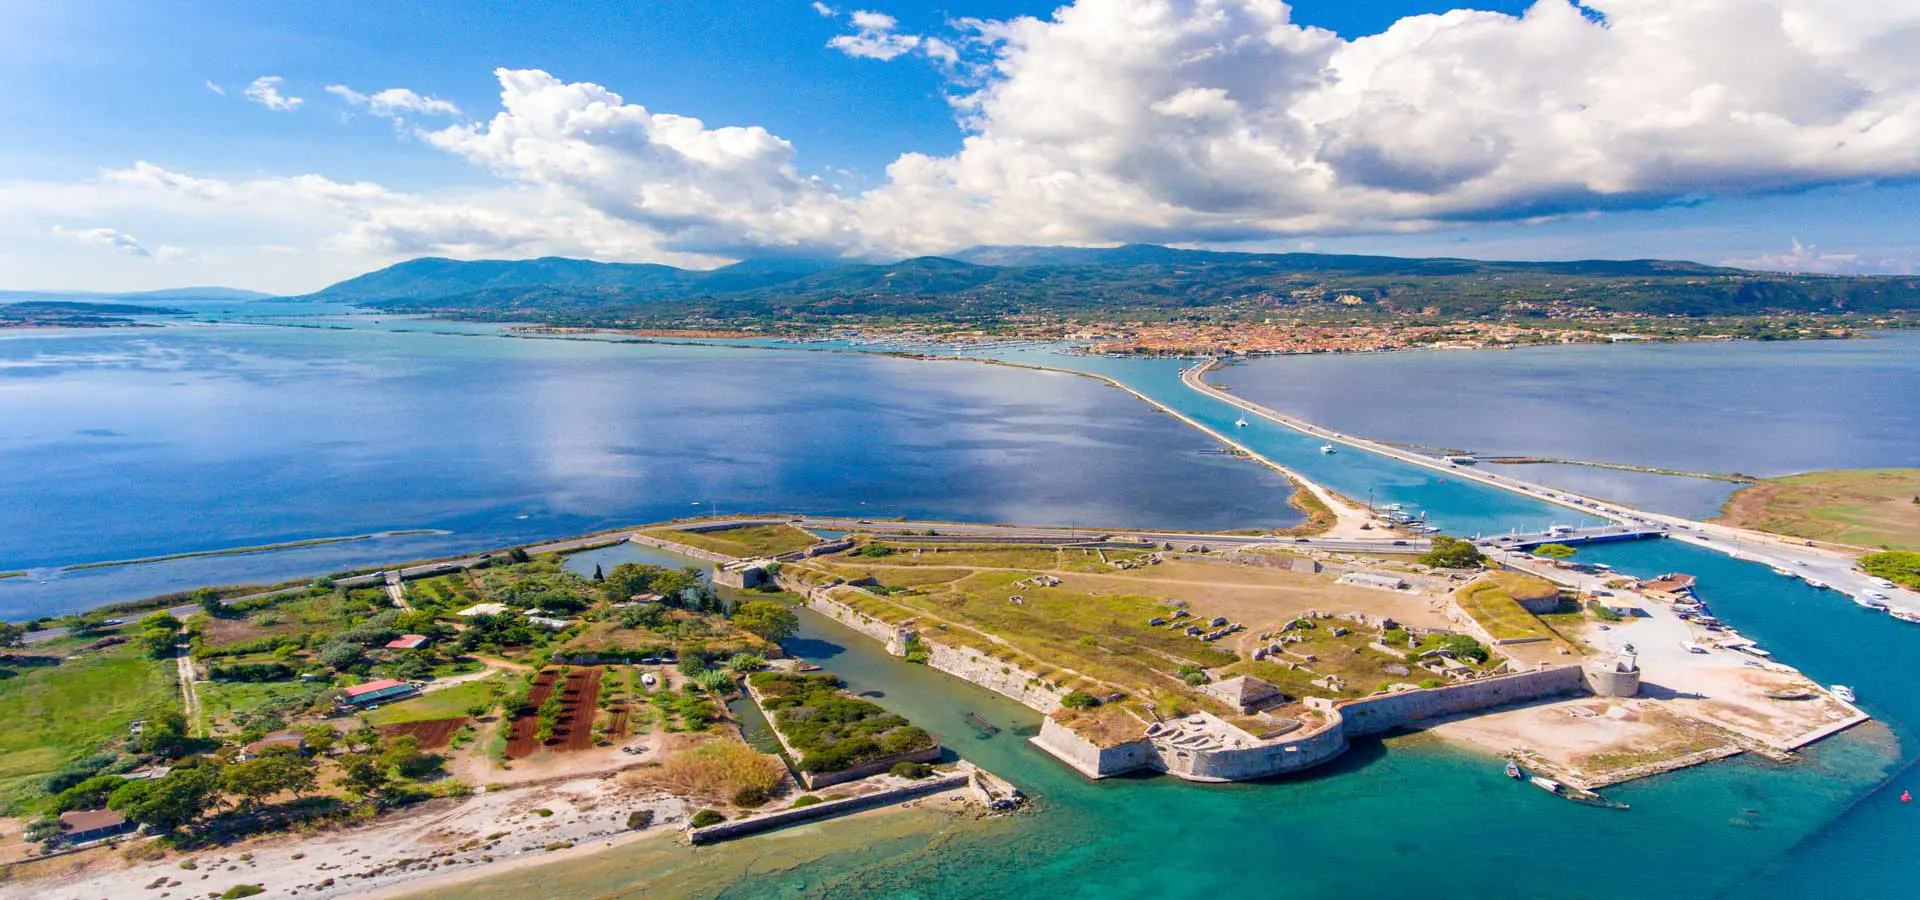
(76, 314)
(1146, 299)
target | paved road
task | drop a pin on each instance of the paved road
(1832, 566)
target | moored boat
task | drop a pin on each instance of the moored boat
(1589, 798)
(1513, 771)
(984, 727)
(1326, 448)
(1843, 692)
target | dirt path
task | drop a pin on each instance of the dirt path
(189, 696)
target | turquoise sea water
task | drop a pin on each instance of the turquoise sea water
(1407, 815)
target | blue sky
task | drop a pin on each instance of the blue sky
(137, 156)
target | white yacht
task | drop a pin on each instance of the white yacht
(1326, 448)
(1843, 692)
(1242, 423)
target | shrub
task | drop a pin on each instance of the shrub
(706, 817)
(1898, 566)
(1601, 612)
(722, 768)
(1431, 682)
(242, 890)
(911, 770)
(639, 818)
(1465, 647)
(805, 800)
(750, 797)
(874, 550)
(1078, 699)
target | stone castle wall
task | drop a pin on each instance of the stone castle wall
(1385, 712)
(1088, 758)
(679, 549)
(964, 663)
(1291, 755)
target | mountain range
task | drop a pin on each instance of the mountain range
(1133, 280)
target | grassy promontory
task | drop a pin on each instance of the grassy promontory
(1875, 508)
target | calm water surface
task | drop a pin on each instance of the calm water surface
(1764, 409)
(127, 443)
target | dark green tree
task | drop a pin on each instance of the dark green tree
(768, 619)
(1453, 553)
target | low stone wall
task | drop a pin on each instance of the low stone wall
(815, 781)
(648, 540)
(821, 549)
(1385, 712)
(826, 810)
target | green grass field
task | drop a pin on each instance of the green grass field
(60, 713)
(1489, 602)
(220, 703)
(995, 557)
(447, 703)
(1863, 507)
(752, 541)
(1050, 630)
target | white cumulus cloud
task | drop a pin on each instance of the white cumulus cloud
(717, 189)
(1175, 121)
(875, 36)
(394, 102)
(265, 91)
(1807, 258)
(120, 241)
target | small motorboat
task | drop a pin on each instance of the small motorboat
(1326, 448)
(1513, 771)
(1544, 783)
(980, 725)
(1242, 423)
(1843, 692)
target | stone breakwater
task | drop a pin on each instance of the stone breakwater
(829, 809)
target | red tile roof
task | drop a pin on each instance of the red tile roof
(361, 690)
(407, 642)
